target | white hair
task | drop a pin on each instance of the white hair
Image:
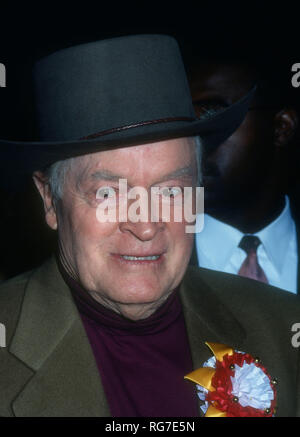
(56, 176)
(56, 173)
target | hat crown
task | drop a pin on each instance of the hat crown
(109, 84)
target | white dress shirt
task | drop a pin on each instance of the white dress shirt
(217, 249)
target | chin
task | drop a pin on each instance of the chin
(141, 296)
(139, 293)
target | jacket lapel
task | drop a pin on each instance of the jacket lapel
(57, 372)
(207, 319)
(63, 375)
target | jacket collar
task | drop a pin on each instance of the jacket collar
(207, 318)
(58, 353)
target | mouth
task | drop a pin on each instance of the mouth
(139, 259)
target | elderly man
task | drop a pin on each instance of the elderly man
(116, 324)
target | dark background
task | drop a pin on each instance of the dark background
(261, 30)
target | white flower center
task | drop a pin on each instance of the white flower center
(252, 387)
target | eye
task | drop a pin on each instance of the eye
(105, 193)
(170, 191)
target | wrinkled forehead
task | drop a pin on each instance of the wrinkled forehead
(147, 161)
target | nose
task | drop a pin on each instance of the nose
(144, 231)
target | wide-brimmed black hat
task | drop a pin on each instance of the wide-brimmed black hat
(112, 93)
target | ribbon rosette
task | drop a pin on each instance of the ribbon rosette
(234, 384)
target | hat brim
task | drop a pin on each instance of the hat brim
(24, 157)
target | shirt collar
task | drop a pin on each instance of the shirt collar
(218, 240)
(277, 235)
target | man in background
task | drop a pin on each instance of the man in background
(250, 222)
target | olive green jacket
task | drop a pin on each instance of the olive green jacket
(48, 369)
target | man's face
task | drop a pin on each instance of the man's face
(98, 252)
(234, 171)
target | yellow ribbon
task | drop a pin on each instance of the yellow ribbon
(220, 350)
(214, 412)
(203, 376)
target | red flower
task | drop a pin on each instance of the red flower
(223, 399)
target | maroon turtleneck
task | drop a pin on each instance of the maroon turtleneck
(142, 363)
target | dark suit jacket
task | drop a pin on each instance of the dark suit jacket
(48, 367)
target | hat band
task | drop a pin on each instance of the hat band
(132, 126)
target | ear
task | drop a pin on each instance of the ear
(286, 123)
(46, 195)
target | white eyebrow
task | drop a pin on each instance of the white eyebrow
(109, 176)
(180, 172)
(106, 175)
